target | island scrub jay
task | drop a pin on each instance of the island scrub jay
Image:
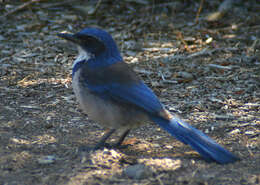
(111, 94)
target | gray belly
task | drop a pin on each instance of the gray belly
(106, 112)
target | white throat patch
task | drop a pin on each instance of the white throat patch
(82, 55)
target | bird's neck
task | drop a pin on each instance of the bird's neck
(80, 60)
(102, 60)
(83, 55)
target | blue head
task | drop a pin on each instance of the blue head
(95, 45)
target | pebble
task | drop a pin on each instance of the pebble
(236, 131)
(49, 159)
(1, 37)
(249, 132)
(185, 75)
(224, 117)
(137, 171)
(215, 66)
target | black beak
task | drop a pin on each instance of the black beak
(69, 37)
(84, 41)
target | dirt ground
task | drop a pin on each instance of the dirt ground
(208, 73)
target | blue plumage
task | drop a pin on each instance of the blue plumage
(208, 148)
(111, 93)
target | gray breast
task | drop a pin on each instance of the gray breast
(108, 113)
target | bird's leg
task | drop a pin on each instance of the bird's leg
(102, 143)
(122, 137)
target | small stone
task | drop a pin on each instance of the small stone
(185, 75)
(1, 37)
(209, 40)
(134, 60)
(138, 171)
(156, 145)
(70, 17)
(49, 159)
(249, 132)
(236, 131)
(169, 146)
(131, 53)
(224, 117)
(161, 164)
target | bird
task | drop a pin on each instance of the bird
(111, 94)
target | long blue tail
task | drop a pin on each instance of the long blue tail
(208, 149)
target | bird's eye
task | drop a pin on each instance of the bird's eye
(92, 44)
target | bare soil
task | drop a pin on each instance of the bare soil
(208, 73)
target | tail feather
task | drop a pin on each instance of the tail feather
(208, 148)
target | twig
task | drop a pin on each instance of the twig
(20, 7)
(204, 51)
(181, 38)
(199, 11)
(253, 47)
(97, 6)
(58, 3)
(158, 178)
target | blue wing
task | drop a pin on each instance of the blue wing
(118, 82)
(136, 94)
